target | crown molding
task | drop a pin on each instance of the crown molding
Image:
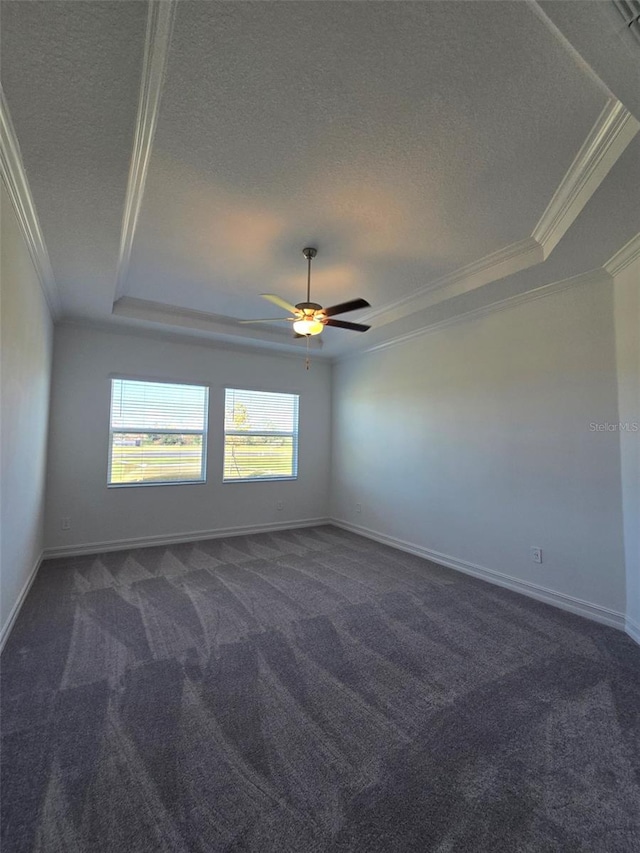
(160, 313)
(507, 261)
(625, 256)
(156, 50)
(597, 276)
(613, 131)
(113, 326)
(630, 13)
(17, 184)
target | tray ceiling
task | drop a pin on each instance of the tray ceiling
(405, 140)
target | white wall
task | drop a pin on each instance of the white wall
(79, 438)
(474, 442)
(25, 346)
(627, 323)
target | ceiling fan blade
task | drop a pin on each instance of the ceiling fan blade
(282, 303)
(352, 305)
(267, 320)
(343, 324)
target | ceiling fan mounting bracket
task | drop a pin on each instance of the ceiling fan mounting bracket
(309, 252)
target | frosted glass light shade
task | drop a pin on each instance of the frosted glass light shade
(308, 326)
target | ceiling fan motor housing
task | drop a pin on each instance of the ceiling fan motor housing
(308, 307)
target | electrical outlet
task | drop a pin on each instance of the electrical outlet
(65, 522)
(536, 555)
(280, 505)
(358, 507)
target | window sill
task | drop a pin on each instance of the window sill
(157, 483)
(258, 479)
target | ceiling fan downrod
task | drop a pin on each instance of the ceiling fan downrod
(309, 252)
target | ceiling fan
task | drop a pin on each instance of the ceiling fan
(310, 318)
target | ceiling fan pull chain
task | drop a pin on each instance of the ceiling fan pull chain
(307, 359)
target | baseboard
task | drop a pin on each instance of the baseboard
(540, 593)
(558, 599)
(177, 538)
(633, 630)
(13, 615)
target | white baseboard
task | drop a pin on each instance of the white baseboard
(177, 538)
(8, 625)
(633, 630)
(541, 593)
(565, 602)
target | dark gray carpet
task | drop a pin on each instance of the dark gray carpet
(310, 691)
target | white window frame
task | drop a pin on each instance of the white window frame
(294, 435)
(146, 430)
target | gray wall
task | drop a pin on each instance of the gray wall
(84, 359)
(474, 442)
(26, 368)
(627, 319)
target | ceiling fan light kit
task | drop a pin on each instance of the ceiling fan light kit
(309, 318)
(308, 326)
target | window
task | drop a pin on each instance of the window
(260, 436)
(158, 433)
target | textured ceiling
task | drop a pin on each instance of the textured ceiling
(607, 223)
(599, 38)
(71, 75)
(405, 140)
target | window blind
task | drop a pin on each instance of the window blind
(157, 432)
(260, 435)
